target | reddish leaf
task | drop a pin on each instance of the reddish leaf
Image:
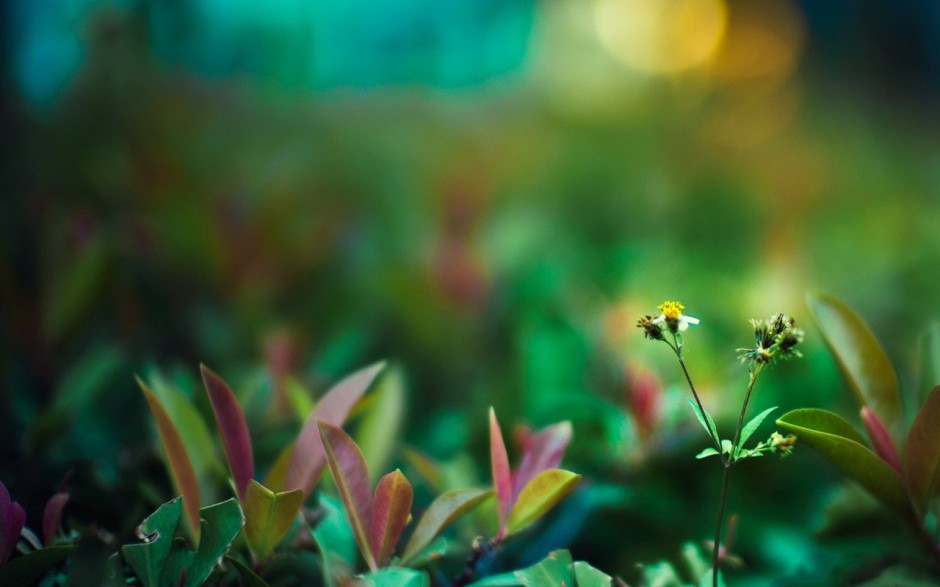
(234, 430)
(12, 518)
(544, 450)
(307, 460)
(502, 477)
(52, 516)
(923, 452)
(880, 439)
(352, 482)
(181, 469)
(390, 512)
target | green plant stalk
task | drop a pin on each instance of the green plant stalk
(677, 349)
(726, 477)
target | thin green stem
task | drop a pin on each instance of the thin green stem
(726, 477)
(677, 349)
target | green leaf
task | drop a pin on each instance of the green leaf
(395, 578)
(502, 475)
(181, 469)
(391, 509)
(442, 512)
(708, 582)
(587, 576)
(249, 577)
(708, 452)
(753, 425)
(220, 523)
(555, 569)
(922, 457)
(501, 580)
(380, 427)
(24, 569)
(706, 421)
(539, 496)
(841, 445)
(432, 552)
(860, 357)
(929, 362)
(236, 439)
(268, 516)
(159, 528)
(334, 538)
(351, 478)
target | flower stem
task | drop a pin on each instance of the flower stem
(726, 477)
(677, 349)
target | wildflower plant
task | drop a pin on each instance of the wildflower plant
(775, 340)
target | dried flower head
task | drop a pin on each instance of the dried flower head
(782, 444)
(773, 339)
(651, 330)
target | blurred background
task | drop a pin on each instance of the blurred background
(487, 193)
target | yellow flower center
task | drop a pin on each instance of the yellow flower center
(671, 310)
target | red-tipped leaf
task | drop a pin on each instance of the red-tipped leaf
(543, 451)
(440, 514)
(235, 437)
(352, 482)
(52, 516)
(922, 456)
(181, 468)
(502, 476)
(391, 509)
(307, 459)
(880, 438)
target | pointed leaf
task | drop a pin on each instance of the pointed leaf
(544, 451)
(442, 512)
(587, 576)
(268, 516)
(235, 437)
(922, 462)
(502, 477)
(539, 496)
(277, 474)
(25, 569)
(395, 578)
(708, 452)
(52, 517)
(555, 569)
(753, 425)
(860, 357)
(157, 530)
(181, 469)
(352, 483)
(308, 459)
(837, 441)
(705, 420)
(12, 519)
(379, 429)
(880, 438)
(391, 510)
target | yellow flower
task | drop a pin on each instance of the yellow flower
(673, 317)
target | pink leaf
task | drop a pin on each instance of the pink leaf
(922, 458)
(12, 518)
(52, 516)
(307, 461)
(390, 512)
(235, 437)
(880, 438)
(352, 482)
(544, 450)
(502, 478)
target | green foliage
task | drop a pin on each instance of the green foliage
(556, 569)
